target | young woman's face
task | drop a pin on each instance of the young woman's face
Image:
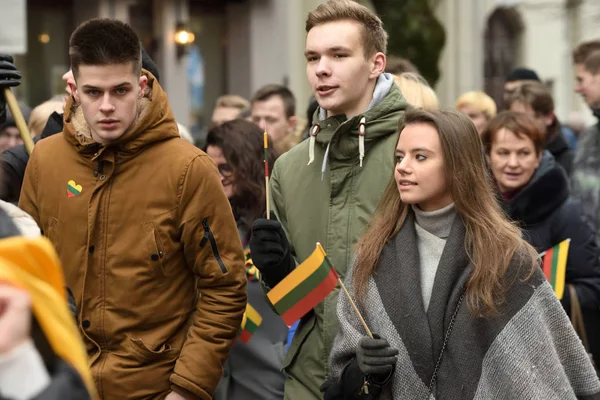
(225, 170)
(513, 160)
(420, 173)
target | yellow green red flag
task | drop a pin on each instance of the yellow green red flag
(554, 265)
(304, 288)
(250, 322)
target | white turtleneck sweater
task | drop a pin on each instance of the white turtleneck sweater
(433, 228)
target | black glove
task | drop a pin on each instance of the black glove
(270, 250)
(376, 358)
(9, 77)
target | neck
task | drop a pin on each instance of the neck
(438, 222)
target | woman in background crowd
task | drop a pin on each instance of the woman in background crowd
(535, 193)
(253, 370)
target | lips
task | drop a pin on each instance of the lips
(325, 90)
(405, 183)
(512, 175)
(109, 123)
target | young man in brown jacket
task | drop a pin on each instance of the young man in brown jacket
(141, 224)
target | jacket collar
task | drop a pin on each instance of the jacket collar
(547, 190)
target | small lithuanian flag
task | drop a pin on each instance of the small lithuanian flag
(304, 287)
(250, 322)
(554, 265)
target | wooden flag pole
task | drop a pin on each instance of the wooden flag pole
(362, 320)
(11, 101)
(266, 145)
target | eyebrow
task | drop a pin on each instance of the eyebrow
(415, 150)
(329, 50)
(92, 87)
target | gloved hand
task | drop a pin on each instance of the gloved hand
(270, 250)
(376, 357)
(9, 77)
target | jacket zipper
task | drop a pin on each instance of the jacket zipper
(208, 235)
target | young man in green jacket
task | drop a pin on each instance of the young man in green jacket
(326, 188)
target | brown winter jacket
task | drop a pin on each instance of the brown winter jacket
(149, 229)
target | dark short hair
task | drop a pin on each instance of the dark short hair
(268, 91)
(103, 41)
(520, 124)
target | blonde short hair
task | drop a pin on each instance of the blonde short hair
(479, 101)
(417, 91)
(39, 116)
(232, 101)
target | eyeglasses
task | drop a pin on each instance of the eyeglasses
(225, 169)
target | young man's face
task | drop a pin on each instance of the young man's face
(588, 85)
(270, 115)
(108, 95)
(340, 76)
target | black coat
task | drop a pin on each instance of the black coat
(559, 148)
(548, 215)
(13, 162)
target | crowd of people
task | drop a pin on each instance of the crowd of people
(129, 254)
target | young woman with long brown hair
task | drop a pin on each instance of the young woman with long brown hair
(452, 292)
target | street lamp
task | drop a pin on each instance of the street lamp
(183, 38)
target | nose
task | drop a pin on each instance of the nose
(107, 106)
(513, 160)
(578, 88)
(262, 124)
(403, 167)
(323, 68)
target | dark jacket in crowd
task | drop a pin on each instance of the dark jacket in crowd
(14, 160)
(65, 383)
(558, 146)
(548, 215)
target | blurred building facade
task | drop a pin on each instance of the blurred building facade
(241, 45)
(486, 39)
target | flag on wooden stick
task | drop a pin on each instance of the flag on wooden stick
(304, 288)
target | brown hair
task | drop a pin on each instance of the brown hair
(103, 41)
(588, 54)
(374, 36)
(534, 94)
(268, 91)
(242, 143)
(491, 241)
(519, 123)
(232, 101)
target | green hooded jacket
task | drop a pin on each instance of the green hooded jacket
(331, 201)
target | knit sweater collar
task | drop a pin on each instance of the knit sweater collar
(438, 222)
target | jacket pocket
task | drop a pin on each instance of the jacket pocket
(155, 248)
(144, 354)
(209, 237)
